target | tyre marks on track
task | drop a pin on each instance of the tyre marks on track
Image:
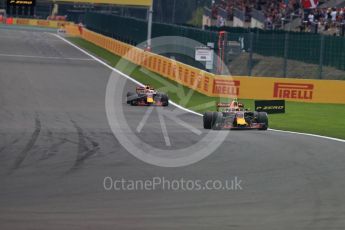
(31, 143)
(87, 147)
(53, 148)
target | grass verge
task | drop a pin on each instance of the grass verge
(321, 119)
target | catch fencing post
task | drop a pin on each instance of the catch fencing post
(286, 48)
(322, 49)
(149, 27)
(250, 60)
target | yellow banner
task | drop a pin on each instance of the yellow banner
(290, 89)
(114, 2)
(41, 23)
(266, 88)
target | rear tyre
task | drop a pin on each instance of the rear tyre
(263, 118)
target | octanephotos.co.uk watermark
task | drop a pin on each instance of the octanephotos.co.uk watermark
(165, 184)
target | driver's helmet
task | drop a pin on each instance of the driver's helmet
(234, 104)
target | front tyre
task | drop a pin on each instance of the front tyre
(207, 119)
(129, 95)
(211, 120)
(134, 103)
(217, 121)
(263, 119)
(165, 100)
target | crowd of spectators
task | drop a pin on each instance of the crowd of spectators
(274, 10)
(279, 12)
(230, 5)
(325, 18)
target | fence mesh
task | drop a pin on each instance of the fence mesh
(249, 52)
(289, 54)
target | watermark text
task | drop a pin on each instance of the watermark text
(165, 184)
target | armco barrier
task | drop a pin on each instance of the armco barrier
(303, 90)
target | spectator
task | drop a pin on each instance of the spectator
(334, 15)
(311, 17)
(221, 21)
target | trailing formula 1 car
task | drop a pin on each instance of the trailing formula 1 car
(234, 116)
(145, 96)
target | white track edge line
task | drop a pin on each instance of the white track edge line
(308, 134)
(179, 106)
(45, 57)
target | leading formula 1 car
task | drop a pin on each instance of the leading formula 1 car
(234, 116)
(145, 96)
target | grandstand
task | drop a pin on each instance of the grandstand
(279, 14)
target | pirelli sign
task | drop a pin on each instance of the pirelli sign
(226, 87)
(293, 91)
(21, 2)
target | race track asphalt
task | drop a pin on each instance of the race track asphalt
(56, 148)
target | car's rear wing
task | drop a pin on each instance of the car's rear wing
(223, 107)
(140, 90)
(233, 106)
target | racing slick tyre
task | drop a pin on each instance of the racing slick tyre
(216, 121)
(210, 119)
(165, 100)
(129, 94)
(133, 102)
(207, 118)
(263, 118)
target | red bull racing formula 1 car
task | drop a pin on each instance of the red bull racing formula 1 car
(145, 96)
(234, 116)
